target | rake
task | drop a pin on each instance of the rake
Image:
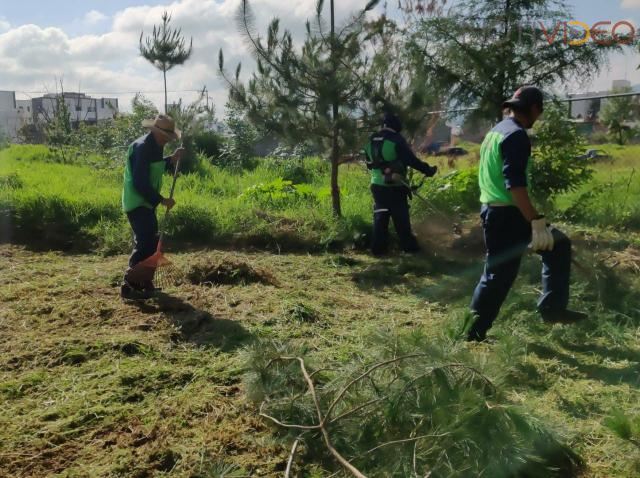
(158, 267)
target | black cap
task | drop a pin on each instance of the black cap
(525, 98)
(392, 121)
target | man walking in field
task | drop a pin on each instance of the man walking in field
(388, 158)
(144, 170)
(511, 223)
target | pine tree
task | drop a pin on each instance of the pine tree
(480, 52)
(165, 49)
(316, 93)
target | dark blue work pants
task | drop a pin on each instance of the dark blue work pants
(391, 202)
(145, 234)
(507, 235)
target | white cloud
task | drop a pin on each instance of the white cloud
(94, 16)
(630, 4)
(31, 56)
(4, 24)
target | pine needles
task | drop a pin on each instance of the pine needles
(408, 409)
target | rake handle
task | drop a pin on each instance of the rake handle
(173, 188)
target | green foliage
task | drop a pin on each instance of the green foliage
(313, 93)
(624, 426)
(193, 120)
(112, 138)
(481, 52)
(281, 193)
(407, 405)
(4, 139)
(455, 191)
(238, 150)
(208, 143)
(617, 113)
(557, 166)
(64, 206)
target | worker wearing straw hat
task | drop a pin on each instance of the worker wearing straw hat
(512, 224)
(144, 170)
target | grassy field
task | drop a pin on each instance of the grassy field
(104, 388)
(92, 386)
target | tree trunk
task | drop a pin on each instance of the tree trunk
(164, 72)
(335, 137)
(335, 163)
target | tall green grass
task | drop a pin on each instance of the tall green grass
(71, 206)
(612, 197)
(76, 204)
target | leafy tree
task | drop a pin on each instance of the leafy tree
(57, 126)
(616, 114)
(559, 165)
(315, 92)
(193, 119)
(482, 51)
(392, 82)
(237, 150)
(165, 49)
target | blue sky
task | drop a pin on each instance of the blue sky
(92, 43)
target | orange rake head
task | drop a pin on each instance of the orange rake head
(157, 267)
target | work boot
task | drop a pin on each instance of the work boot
(150, 288)
(476, 336)
(562, 316)
(130, 291)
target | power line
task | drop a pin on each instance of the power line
(114, 92)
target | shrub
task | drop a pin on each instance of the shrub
(281, 193)
(457, 191)
(558, 166)
(238, 150)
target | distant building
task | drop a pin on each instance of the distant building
(15, 114)
(589, 110)
(82, 108)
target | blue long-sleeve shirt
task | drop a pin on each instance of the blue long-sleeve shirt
(146, 150)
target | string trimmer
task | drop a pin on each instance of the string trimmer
(455, 227)
(157, 266)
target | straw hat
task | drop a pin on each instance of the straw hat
(164, 125)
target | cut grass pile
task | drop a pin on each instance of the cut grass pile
(92, 386)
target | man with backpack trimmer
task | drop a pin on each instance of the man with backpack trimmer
(388, 157)
(144, 170)
(512, 224)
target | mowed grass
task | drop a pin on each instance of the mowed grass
(91, 386)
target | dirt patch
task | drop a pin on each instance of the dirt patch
(458, 241)
(228, 272)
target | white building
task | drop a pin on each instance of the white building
(14, 114)
(589, 110)
(82, 108)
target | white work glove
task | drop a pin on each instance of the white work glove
(541, 237)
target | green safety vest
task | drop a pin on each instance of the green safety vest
(490, 175)
(379, 152)
(131, 198)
